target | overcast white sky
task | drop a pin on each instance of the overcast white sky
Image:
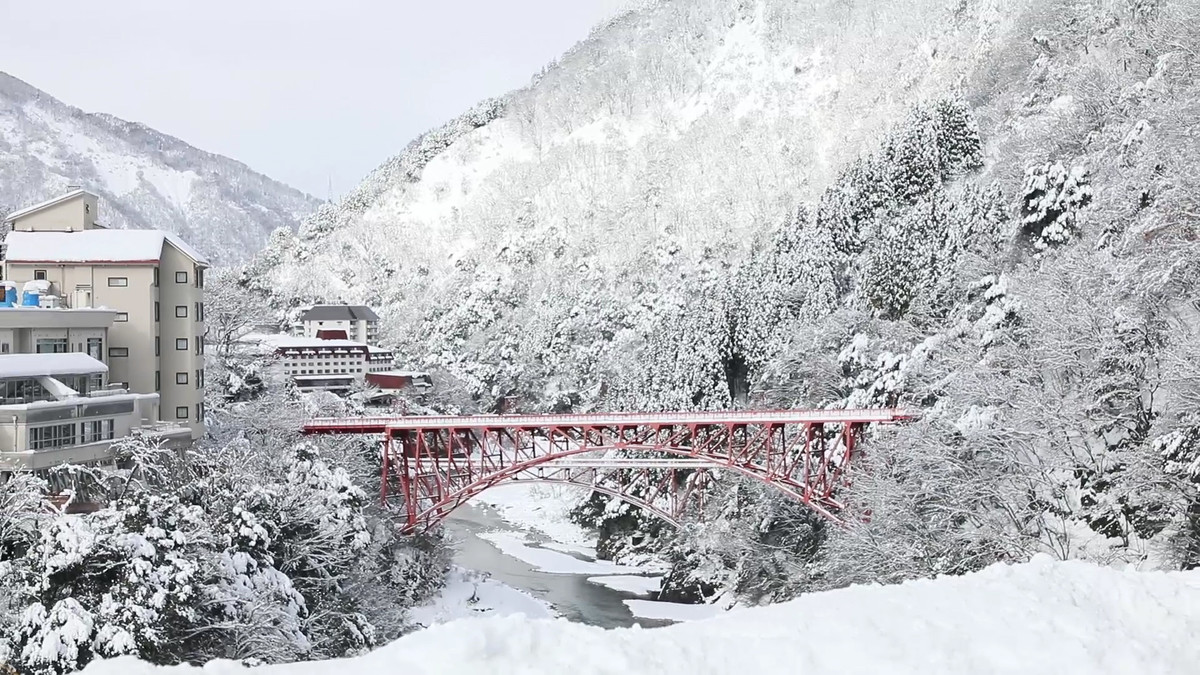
(299, 90)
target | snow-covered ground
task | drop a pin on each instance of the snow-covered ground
(541, 508)
(1040, 617)
(469, 594)
(672, 611)
(629, 584)
(547, 560)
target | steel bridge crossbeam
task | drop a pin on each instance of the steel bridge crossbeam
(437, 463)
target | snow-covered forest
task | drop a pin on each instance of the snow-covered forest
(255, 546)
(981, 210)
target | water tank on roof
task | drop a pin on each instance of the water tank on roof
(31, 293)
(9, 296)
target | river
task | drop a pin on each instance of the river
(571, 595)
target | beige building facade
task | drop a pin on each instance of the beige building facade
(151, 281)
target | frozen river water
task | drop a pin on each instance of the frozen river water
(523, 560)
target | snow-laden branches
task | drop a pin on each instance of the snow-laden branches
(257, 547)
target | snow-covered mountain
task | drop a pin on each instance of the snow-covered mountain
(145, 179)
(982, 209)
(672, 138)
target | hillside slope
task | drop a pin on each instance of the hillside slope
(145, 179)
(986, 211)
(694, 123)
(674, 136)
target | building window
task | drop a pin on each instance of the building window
(199, 378)
(199, 345)
(156, 310)
(181, 277)
(199, 311)
(95, 348)
(181, 412)
(99, 430)
(39, 275)
(181, 344)
(4, 348)
(156, 276)
(181, 378)
(51, 346)
(118, 282)
(121, 317)
(157, 380)
(157, 340)
(180, 311)
(114, 352)
(199, 277)
(199, 412)
(55, 436)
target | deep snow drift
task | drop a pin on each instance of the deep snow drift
(1039, 617)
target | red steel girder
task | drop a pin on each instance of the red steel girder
(439, 462)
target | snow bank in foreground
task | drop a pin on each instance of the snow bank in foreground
(672, 611)
(1040, 617)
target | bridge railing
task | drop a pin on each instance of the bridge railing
(609, 419)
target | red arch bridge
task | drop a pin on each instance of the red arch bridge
(659, 462)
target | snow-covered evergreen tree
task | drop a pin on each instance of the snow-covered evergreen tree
(1052, 197)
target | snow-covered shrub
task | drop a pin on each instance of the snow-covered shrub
(126, 580)
(252, 548)
(992, 308)
(913, 159)
(960, 148)
(1180, 452)
(1051, 198)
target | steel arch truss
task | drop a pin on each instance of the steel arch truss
(660, 463)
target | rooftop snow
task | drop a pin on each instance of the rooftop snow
(93, 246)
(281, 341)
(339, 313)
(330, 376)
(399, 373)
(1042, 617)
(35, 365)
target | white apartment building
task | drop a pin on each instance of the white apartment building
(354, 322)
(316, 364)
(152, 281)
(55, 408)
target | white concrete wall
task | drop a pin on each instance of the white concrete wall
(184, 294)
(71, 215)
(326, 364)
(16, 455)
(355, 330)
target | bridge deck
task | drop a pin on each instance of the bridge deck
(417, 422)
